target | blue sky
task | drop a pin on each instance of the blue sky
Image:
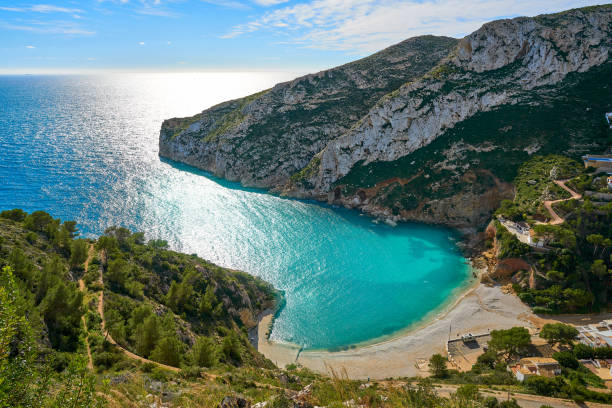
(234, 35)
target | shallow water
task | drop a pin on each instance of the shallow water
(85, 148)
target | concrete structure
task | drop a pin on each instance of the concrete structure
(599, 367)
(523, 232)
(464, 351)
(600, 162)
(596, 335)
(530, 366)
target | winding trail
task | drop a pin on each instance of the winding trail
(110, 339)
(83, 289)
(555, 218)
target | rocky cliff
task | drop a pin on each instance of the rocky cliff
(444, 145)
(263, 139)
(501, 63)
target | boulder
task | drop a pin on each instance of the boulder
(234, 402)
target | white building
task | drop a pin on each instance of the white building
(596, 335)
(530, 366)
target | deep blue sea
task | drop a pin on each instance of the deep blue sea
(84, 148)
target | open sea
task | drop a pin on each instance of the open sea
(84, 148)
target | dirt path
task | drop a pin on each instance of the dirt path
(555, 219)
(524, 400)
(82, 288)
(112, 341)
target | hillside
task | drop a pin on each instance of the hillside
(171, 308)
(177, 335)
(261, 140)
(443, 145)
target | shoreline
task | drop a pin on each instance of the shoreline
(478, 309)
(457, 294)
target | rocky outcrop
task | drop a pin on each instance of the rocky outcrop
(411, 133)
(498, 64)
(263, 139)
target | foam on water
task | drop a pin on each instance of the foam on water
(85, 148)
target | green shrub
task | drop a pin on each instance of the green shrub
(566, 359)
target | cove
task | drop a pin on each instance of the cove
(85, 148)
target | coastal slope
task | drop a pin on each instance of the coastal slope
(442, 145)
(263, 139)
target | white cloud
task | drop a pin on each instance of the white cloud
(233, 4)
(270, 2)
(47, 8)
(141, 43)
(30, 46)
(364, 26)
(146, 7)
(43, 8)
(48, 27)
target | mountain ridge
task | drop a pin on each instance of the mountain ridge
(237, 139)
(506, 63)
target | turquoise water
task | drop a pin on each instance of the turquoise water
(85, 148)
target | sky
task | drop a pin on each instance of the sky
(230, 35)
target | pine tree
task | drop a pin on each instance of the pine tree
(147, 335)
(204, 352)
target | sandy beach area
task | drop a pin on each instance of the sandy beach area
(479, 310)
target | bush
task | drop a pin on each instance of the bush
(168, 351)
(509, 404)
(437, 366)
(490, 402)
(15, 214)
(204, 352)
(582, 351)
(566, 359)
(231, 347)
(468, 392)
(488, 359)
(544, 385)
(527, 298)
(190, 372)
(105, 359)
(159, 374)
(558, 333)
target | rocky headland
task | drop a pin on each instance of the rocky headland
(432, 129)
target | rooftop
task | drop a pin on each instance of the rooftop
(600, 158)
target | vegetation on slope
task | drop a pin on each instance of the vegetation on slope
(168, 307)
(277, 132)
(574, 273)
(566, 118)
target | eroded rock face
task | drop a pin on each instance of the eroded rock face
(263, 139)
(330, 135)
(498, 64)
